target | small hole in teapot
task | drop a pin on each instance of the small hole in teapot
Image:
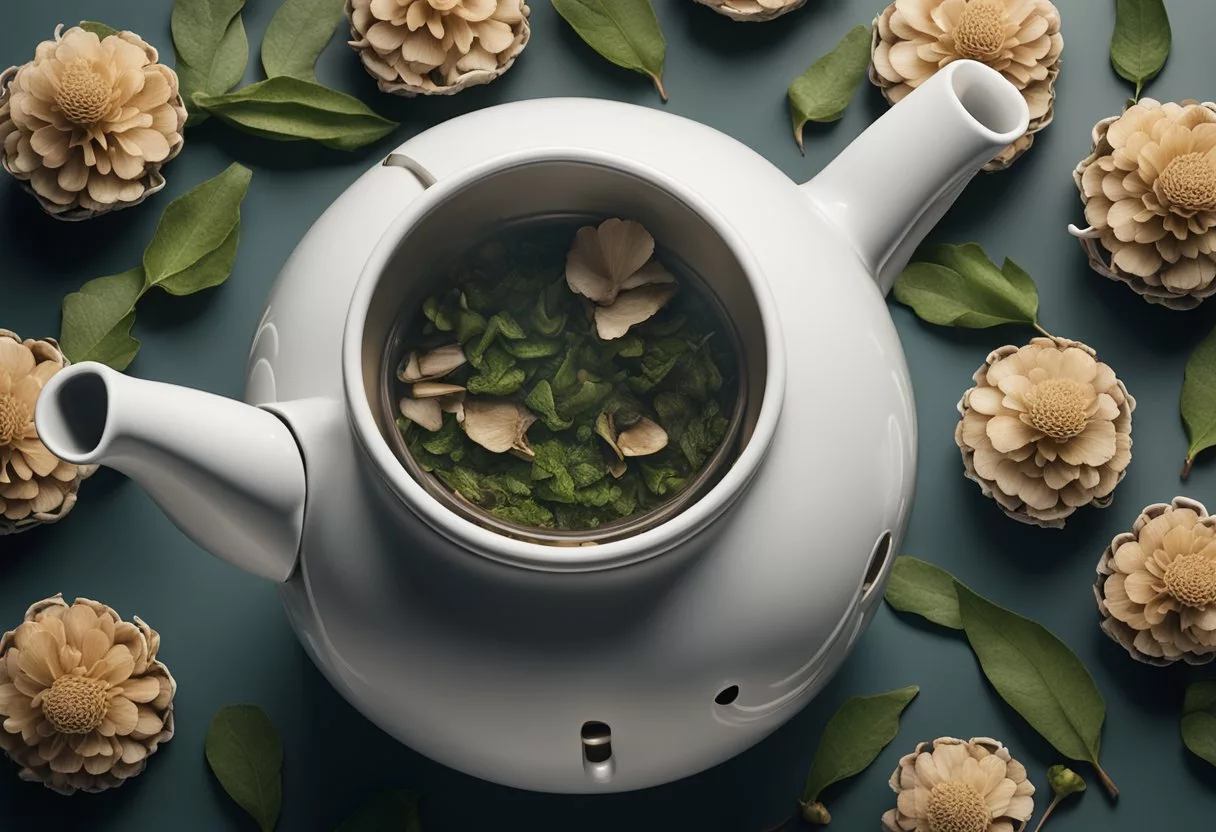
(728, 695)
(597, 742)
(882, 550)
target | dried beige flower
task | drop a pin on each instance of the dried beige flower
(1156, 585)
(85, 699)
(425, 413)
(1149, 189)
(643, 438)
(1046, 429)
(612, 266)
(498, 425)
(35, 486)
(949, 785)
(753, 11)
(437, 47)
(432, 365)
(88, 124)
(1018, 38)
(630, 309)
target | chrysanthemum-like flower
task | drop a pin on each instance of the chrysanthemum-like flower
(949, 785)
(84, 699)
(88, 124)
(753, 11)
(1149, 189)
(437, 47)
(1046, 429)
(1018, 38)
(1156, 586)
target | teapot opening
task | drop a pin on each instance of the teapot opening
(991, 101)
(75, 420)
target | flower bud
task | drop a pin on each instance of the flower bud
(1064, 781)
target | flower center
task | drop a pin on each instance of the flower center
(83, 95)
(14, 418)
(1058, 407)
(75, 704)
(956, 807)
(1191, 580)
(980, 31)
(1189, 182)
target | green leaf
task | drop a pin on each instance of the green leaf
(855, 735)
(1199, 400)
(297, 35)
(212, 48)
(1199, 720)
(1141, 42)
(960, 286)
(497, 376)
(290, 109)
(1038, 675)
(662, 480)
(824, 91)
(97, 320)
(703, 434)
(100, 29)
(540, 401)
(389, 812)
(202, 222)
(246, 756)
(924, 589)
(625, 32)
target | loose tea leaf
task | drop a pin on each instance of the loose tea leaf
(961, 286)
(388, 812)
(297, 35)
(625, 32)
(1199, 720)
(1199, 400)
(246, 756)
(855, 735)
(97, 320)
(1141, 42)
(824, 91)
(212, 48)
(100, 29)
(927, 590)
(290, 109)
(1039, 676)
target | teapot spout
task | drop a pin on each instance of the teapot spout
(898, 178)
(229, 475)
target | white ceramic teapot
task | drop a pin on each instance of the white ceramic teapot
(598, 668)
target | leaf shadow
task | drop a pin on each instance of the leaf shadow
(160, 311)
(1155, 690)
(237, 817)
(1201, 769)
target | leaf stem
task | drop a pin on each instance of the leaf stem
(1186, 467)
(1045, 332)
(1111, 788)
(1051, 807)
(783, 824)
(658, 82)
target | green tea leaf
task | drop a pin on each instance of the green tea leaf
(388, 812)
(212, 48)
(100, 29)
(497, 376)
(824, 91)
(97, 320)
(246, 756)
(924, 589)
(290, 109)
(703, 434)
(1199, 720)
(196, 225)
(854, 736)
(439, 313)
(1199, 400)
(1038, 675)
(662, 480)
(960, 286)
(625, 32)
(297, 35)
(540, 401)
(1141, 42)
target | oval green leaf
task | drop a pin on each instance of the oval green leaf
(100, 29)
(1198, 402)
(290, 109)
(389, 812)
(924, 589)
(246, 756)
(1141, 42)
(855, 735)
(97, 320)
(960, 286)
(824, 91)
(212, 48)
(298, 34)
(625, 32)
(1199, 720)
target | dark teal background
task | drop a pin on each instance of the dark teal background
(226, 640)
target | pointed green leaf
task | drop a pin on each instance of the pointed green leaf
(540, 401)
(197, 224)
(1199, 720)
(100, 29)
(855, 735)
(388, 812)
(924, 589)
(625, 32)
(246, 756)
(212, 48)
(1141, 42)
(824, 91)
(290, 109)
(298, 34)
(97, 320)
(960, 286)
(1199, 399)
